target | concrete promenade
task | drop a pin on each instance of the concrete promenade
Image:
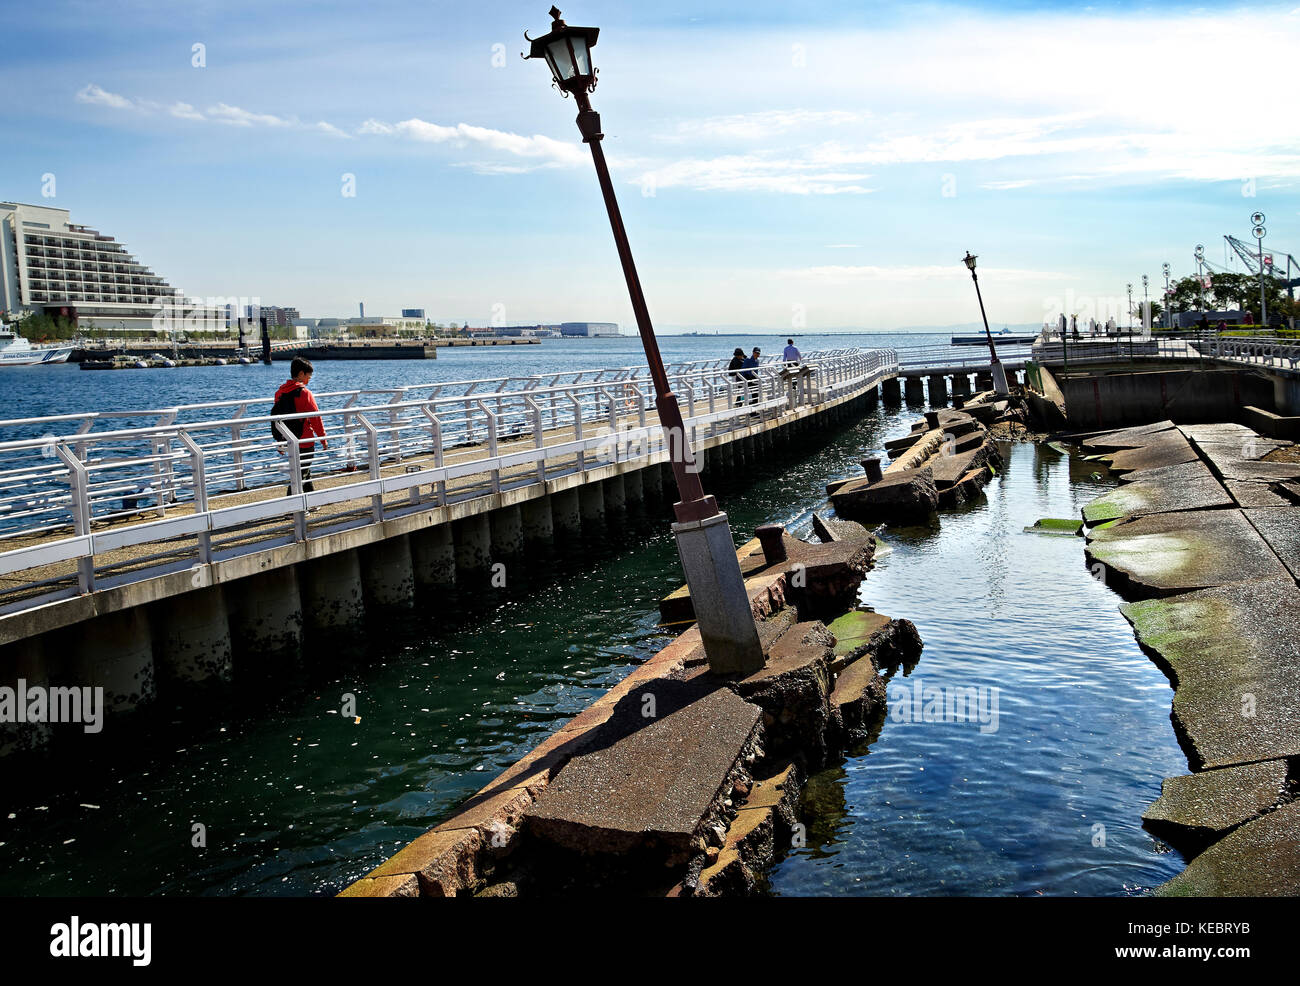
(185, 557)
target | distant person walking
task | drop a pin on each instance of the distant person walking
(791, 354)
(293, 397)
(750, 373)
(738, 361)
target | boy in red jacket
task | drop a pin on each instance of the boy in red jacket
(295, 389)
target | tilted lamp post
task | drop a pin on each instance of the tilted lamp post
(1146, 301)
(704, 543)
(995, 365)
(1130, 308)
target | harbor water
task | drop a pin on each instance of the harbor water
(269, 789)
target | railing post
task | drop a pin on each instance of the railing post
(294, 451)
(577, 427)
(435, 432)
(237, 448)
(79, 486)
(376, 472)
(198, 473)
(492, 445)
(539, 436)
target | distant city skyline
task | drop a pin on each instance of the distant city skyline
(810, 168)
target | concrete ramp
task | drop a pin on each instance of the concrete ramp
(655, 773)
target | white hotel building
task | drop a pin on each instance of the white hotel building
(52, 266)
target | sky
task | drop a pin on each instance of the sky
(812, 165)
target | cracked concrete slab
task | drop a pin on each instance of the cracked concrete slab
(1280, 529)
(1201, 808)
(1260, 859)
(1158, 497)
(1163, 554)
(1233, 654)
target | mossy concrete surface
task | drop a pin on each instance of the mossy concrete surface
(1158, 497)
(1233, 653)
(1260, 859)
(1056, 525)
(1162, 554)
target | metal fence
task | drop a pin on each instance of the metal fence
(203, 482)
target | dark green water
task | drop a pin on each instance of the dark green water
(296, 799)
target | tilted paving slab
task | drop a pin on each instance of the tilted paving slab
(1158, 497)
(949, 469)
(1176, 473)
(1260, 859)
(1248, 494)
(1280, 528)
(1252, 470)
(1167, 452)
(1223, 431)
(1200, 808)
(1123, 438)
(1233, 653)
(906, 494)
(649, 781)
(1163, 554)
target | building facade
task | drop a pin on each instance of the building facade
(50, 265)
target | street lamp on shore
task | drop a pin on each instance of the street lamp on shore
(1259, 232)
(1200, 275)
(1169, 308)
(1130, 309)
(995, 365)
(1146, 302)
(704, 543)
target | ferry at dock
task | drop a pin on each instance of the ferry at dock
(17, 351)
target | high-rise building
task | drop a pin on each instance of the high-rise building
(49, 265)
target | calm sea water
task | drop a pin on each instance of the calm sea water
(295, 799)
(41, 390)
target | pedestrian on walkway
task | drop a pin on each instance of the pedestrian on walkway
(750, 373)
(737, 361)
(293, 397)
(791, 354)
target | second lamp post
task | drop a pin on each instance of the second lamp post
(996, 369)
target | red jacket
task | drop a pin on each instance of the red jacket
(303, 402)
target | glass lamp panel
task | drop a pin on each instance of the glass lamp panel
(557, 54)
(581, 54)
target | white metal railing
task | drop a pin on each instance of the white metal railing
(1191, 346)
(178, 492)
(959, 357)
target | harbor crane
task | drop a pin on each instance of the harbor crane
(1250, 257)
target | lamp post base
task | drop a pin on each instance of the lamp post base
(722, 607)
(1000, 379)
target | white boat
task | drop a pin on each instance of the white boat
(17, 351)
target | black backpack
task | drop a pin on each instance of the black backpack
(287, 403)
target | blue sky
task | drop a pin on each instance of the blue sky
(811, 165)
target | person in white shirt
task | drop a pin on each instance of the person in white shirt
(791, 354)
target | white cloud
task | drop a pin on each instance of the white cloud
(545, 150)
(237, 117)
(184, 111)
(96, 96)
